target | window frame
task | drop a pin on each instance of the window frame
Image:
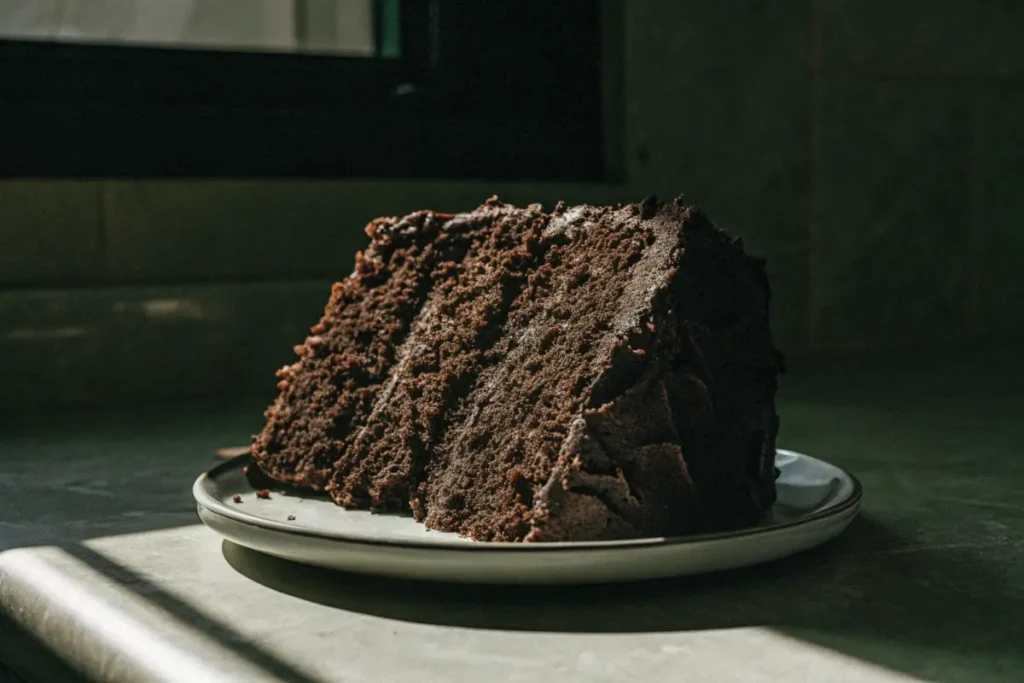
(498, 90)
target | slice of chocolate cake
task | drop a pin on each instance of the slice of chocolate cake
(510, 374)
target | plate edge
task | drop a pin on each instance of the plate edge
(850, 505)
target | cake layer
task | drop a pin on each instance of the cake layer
(329, 393)
(591, 290)
(462, 319)
(587, 426)
(705, 367)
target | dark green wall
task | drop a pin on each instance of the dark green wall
(872, 151)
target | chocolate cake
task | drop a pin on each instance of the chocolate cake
(517, 375)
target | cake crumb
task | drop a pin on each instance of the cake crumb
(263, 494)
(291, 517)
(237, 498)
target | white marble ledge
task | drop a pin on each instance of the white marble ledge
(176, 605)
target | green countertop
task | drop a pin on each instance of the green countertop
(928, 584)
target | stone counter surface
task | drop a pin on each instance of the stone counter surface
(105, 573)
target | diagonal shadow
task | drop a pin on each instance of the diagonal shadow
(8, 675)
(225, 635)
(949, 614)
(866, 594)
(70, 475)
(19, 650)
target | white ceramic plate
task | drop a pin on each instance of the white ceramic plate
(816, 501)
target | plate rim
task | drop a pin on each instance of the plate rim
(213, 505)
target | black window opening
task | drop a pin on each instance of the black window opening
(501, 89)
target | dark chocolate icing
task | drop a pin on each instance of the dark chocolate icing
(511, 374)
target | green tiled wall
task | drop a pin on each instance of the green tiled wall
(919, 153)
(50, 232)
(157, 342)
(271, 229)
(997, 212)
(717, 109)
(921, 39)
(889, 238)
(789, 278)
(872, 151)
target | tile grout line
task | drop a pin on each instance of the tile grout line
(814, 189)
(976, 229)
(102, 238)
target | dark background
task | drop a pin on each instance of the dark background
(871, 151)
